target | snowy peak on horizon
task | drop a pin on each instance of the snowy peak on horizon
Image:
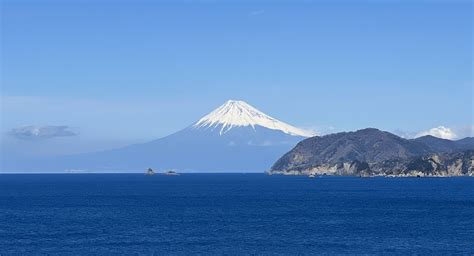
(236, 113)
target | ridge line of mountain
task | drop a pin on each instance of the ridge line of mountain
(371, 152)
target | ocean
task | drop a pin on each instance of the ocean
(234, 214)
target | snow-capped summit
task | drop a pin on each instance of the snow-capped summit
(237, 113)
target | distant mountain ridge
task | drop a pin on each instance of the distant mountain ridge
(363, 151)
(444, 145)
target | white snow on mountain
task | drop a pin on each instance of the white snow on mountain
(236, 113)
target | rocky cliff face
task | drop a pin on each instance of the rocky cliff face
(441, 164)
(371, 152)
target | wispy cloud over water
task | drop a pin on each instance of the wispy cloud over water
(42, 132)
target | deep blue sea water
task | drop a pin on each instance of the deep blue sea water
(134, 214)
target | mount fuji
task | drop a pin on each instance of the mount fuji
(239, 114)
(235, 137)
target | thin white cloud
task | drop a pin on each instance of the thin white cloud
(439, 132)
(41, 132)
(319, 130)
(311, 132)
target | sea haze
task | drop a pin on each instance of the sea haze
(234, 214)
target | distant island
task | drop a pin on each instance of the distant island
(371, 152)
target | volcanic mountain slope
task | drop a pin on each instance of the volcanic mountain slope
(351, 153)
(235, 137)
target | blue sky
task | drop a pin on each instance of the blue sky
(122, 72)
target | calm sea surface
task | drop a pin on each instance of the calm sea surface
(134, 214)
